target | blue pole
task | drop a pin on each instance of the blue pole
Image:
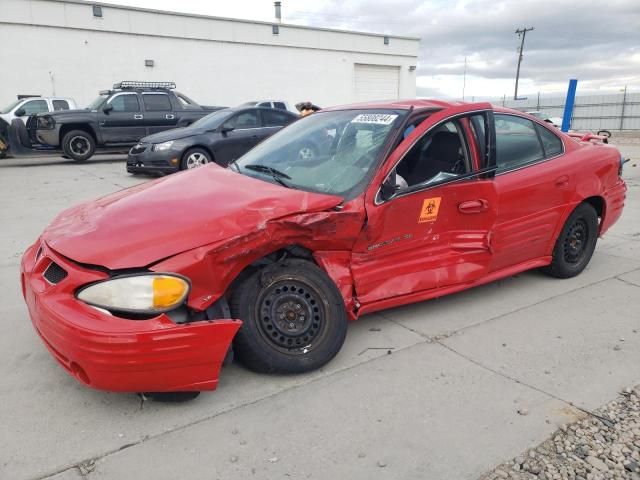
(568, 105)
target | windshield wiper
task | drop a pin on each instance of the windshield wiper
(276, 174)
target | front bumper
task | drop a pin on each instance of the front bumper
(143, 159)
(106, 352)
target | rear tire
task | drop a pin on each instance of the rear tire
(575, 244)
(78, 145)
(294, 319)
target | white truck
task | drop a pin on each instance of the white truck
(25, 106)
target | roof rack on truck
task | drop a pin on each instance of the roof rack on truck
(134, 84)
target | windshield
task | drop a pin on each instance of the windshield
(332, 152)
(213, 120)
(11, 106)
(97, 102)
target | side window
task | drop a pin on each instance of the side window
(517, 142)
(279, 105)
(265, 104)
(156, 102)
(60, 105)
(550, 142)
(274, 118)
(244, 120)
(437, 156)
(35, 106)
(127, 102)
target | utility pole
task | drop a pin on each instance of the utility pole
(522, 33)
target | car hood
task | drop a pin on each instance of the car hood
(146, 223)
(174, 134)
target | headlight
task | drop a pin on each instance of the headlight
(162, 146)
(46, 122)
(144, 293)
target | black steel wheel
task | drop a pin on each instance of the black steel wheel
(78, 145)
(576, 243)
(294, 318)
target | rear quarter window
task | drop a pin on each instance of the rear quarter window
(550, 142)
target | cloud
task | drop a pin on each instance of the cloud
(599, 46)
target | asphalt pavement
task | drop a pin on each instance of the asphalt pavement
(445, 389)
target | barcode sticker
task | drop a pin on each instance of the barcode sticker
(376, 118)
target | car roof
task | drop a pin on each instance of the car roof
(400, 105)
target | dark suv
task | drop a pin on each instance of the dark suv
(114, 121)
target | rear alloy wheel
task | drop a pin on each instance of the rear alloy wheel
(194, 158)
(78, 145)
(575, 244)
(294, 319)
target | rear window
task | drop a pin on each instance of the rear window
(60, 105)
(280, 105)
(156, 102)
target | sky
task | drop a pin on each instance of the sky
(596, 42)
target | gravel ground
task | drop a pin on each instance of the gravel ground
(604, 445)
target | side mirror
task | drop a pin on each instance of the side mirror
(389, 187)
(226, 129)
(107, 108)
(20, 112)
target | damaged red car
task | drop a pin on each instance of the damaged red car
(149, 289)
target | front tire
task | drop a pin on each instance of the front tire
(78, 145)
(194, 158)
(294, 319)
(575, 244)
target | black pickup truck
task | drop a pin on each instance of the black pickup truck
(113, 122)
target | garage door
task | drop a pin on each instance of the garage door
(376, 82)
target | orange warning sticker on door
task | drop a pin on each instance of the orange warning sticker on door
(429, 210)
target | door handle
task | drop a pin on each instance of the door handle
(562, 181)
(137, 117)
(102, 123)
(169, 116)
(473, 206)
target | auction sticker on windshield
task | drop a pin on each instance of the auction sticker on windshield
(376, 118)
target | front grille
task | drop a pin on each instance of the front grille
(55, 273)
(138, 149)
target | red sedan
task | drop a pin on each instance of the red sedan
(147, 290)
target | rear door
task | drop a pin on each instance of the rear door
(435, 231)
(158, 112)
(272, 121)
(246, 133)
(534, 186)
(124, 124)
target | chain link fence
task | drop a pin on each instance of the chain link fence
(615, 112)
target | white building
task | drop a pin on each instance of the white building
(73, 48)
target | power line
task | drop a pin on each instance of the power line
(522, 33)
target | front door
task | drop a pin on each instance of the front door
(124, 123)
(435, 231)
(246, 133)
